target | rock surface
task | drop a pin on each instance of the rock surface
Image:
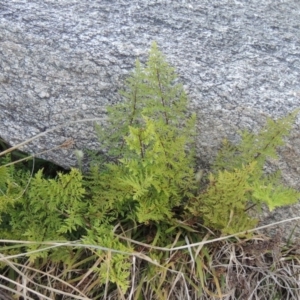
(62, 62)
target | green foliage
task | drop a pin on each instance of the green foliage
(151, 92)
(153, 144)
(12, 183)
(114, 268)
(147, 190)
(255, 147)
(223, 204)
(238, 179)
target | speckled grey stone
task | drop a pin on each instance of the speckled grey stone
(64, 61)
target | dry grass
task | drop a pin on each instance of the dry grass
(223, 268)
(193, 267)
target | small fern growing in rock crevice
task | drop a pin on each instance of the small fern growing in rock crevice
(238, 179)
(148, 189)
(152, 137)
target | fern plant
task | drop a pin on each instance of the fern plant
(153, 144)
(238, 179)
(147, 189)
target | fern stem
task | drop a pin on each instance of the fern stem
(161, 96)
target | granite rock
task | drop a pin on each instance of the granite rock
(62, 62)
